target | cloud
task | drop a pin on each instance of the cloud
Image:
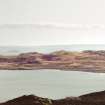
(55, 25)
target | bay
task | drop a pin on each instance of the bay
(52, 84)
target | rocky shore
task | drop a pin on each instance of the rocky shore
(89, 61)
(97, 98)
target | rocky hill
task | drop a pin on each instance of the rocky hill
(97, 98)
(93, 61)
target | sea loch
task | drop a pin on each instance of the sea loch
(53, 84)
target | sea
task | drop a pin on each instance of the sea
(54, 84)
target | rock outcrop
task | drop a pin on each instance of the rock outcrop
(97, 98)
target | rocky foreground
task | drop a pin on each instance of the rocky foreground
(97, 98)
(91, 61)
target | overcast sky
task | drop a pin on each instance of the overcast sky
(54, 22)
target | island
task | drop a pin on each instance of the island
(96, 98)
(88, 61)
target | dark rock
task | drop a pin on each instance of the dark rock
(97, 98)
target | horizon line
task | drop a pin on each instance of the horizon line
(55, 25)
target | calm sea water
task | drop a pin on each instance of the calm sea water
(9, 50)
(48, 83)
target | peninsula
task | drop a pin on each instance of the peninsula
(88, 60)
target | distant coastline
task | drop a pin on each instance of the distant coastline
(87, 61)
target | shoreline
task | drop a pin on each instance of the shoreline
(54, 69)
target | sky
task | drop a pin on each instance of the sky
(52, 22)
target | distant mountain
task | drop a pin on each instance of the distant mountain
(88, 60)
(97, 98)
